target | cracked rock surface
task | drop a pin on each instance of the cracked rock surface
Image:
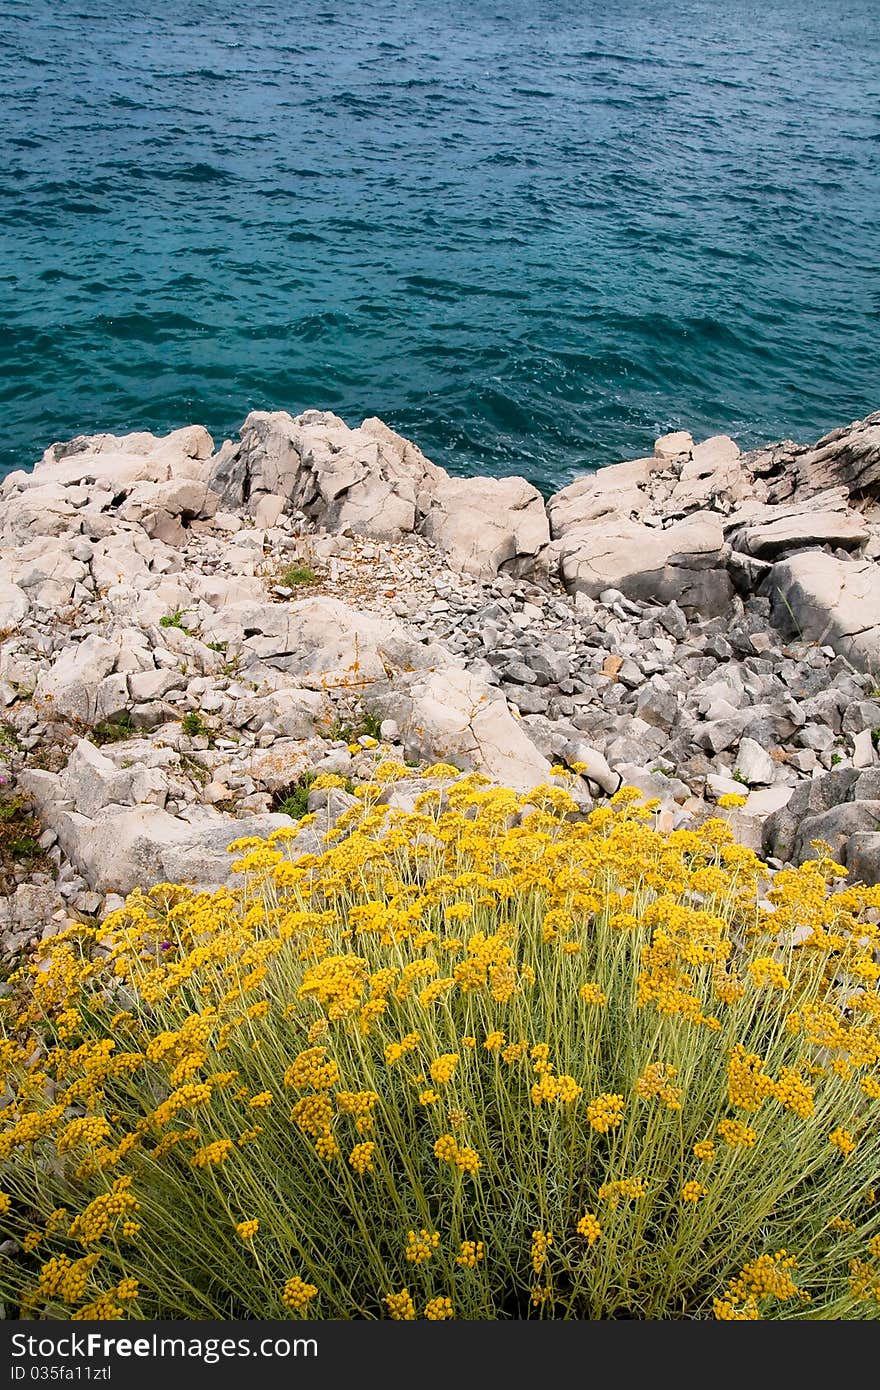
(189, 635)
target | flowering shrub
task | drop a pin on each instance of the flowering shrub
(482, 1059)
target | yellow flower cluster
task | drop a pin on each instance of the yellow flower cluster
(400, 1306)
(439, 1309)
(482, 980)
(656, 1080)
(541, 1242)
(470, 1254)
(442, 1068)
(737, 1134)
(766, 1277)
(605, 1112)
(693, 1191)
(466, 1160)
(592, 994)
(298, 1294)
(213, 1154)
(311, 1068)
(420, 1247)
(361, 1157)
(630, 1188)
(842, 1139)
(588, 1227)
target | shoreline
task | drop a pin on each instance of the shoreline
(190, 635)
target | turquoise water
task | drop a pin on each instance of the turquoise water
(531, 236)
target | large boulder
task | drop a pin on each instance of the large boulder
(368, 479)
(113, 464)
(685, 562)
(165, 510)
(321, 642)
(712, 472)
(372, 481)
(14, 604)
(120, 850)
(71, 688)
(488, 524)
(848, 457)
(821, 598)
(768, 532)
(617, 492)
(789, 829)
(451, 716)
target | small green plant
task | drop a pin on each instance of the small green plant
(293, 801)
(24, 847)
(341, 731)
(194, 726)
(295, 576)
(11, 808)
(218, 646)
(9, 739)
(194, 769)
(114, 730)
(835, 759)
(174, 619)
(18, 839)
(371, 725)
(738, 777)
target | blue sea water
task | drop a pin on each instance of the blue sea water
(530, 234)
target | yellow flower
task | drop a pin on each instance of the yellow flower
(361, 1157)
(470, 1254)
(395, 1050)
(298, 1294)
(764, 970)
(693, 1191)
(705, 1150)
(421, 1247)
(605, 1112)
(731, 800)
(541, 1242)
(589, 1228)
(656, 1081)
(212, 1154)
(441, 1070)
(248, 1229)
(842, 1140)
(438, 1309)
(400, 1306)
(631, 1188)
(466, 1160)
(735, 1133)
(494, 1041)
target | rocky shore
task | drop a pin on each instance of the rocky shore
(189, 636)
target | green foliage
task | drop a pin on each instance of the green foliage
(194, 725)
(293, 801)
(114, 730)
(365, 724)
(9, 739)
(495, 1061)
(174, 619)
(297, 576)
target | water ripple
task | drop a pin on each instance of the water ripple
(529, 237)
